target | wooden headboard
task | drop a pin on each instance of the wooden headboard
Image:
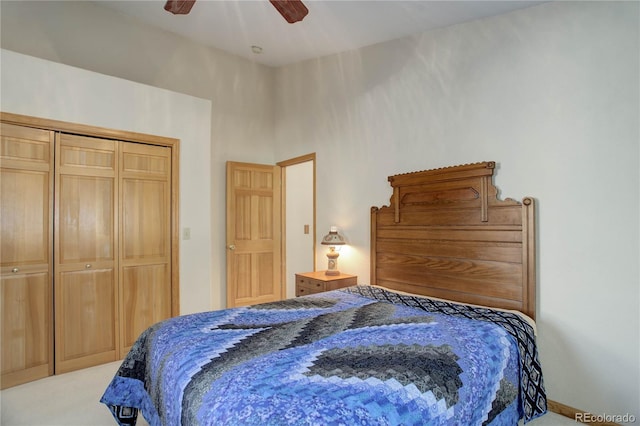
(446, 234)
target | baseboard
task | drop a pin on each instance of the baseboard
(578, 415)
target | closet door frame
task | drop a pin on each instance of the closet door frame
(126, 136)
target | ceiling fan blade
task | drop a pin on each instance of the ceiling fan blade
(292, 10)
(179, 7)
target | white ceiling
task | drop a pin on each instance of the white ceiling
(331, 26)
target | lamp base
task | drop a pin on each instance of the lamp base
(332, 264)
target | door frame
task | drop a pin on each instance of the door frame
(127, 136)
(283, 165)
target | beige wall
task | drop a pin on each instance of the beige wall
(88, 36)
(45, 89)
(299, 212)
(550, 93)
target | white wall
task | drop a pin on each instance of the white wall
(45, 89)
(86, 35)
(550, 93)
(299, 212)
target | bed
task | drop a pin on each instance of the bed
(445, 335)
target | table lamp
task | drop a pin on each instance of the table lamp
(333, 239)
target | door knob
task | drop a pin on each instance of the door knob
(232, 247)
(15, 270)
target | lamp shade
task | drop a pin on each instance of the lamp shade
(333, 238)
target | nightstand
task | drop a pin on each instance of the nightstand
(316, 282)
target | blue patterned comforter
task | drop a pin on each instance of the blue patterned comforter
(362, 355)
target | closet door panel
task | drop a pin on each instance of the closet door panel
(147, 299)
(86, 312)
(145, 221)
(26, 323)
(25, 217)
(145, 239)
(91, 156)
(86, 247)
(26, 200)
(86, 219)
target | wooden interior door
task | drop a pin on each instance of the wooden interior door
(26, 197)
(253, 234)
(86, 252)
(145, 239)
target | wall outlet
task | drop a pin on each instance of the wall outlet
(186, 233)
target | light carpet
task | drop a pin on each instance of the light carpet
(74, 399)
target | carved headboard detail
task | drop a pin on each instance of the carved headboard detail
(446, 234)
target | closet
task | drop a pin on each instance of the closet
(88, 245)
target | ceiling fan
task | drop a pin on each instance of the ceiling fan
(292, 10)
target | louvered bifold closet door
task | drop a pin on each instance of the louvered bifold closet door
(86, 252)
(145, 239)
(26, 199)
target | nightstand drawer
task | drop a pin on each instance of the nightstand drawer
(304, 291)
(342, 283)
(306, 286)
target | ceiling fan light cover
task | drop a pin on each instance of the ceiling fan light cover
(179, 7)
(292, 10)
